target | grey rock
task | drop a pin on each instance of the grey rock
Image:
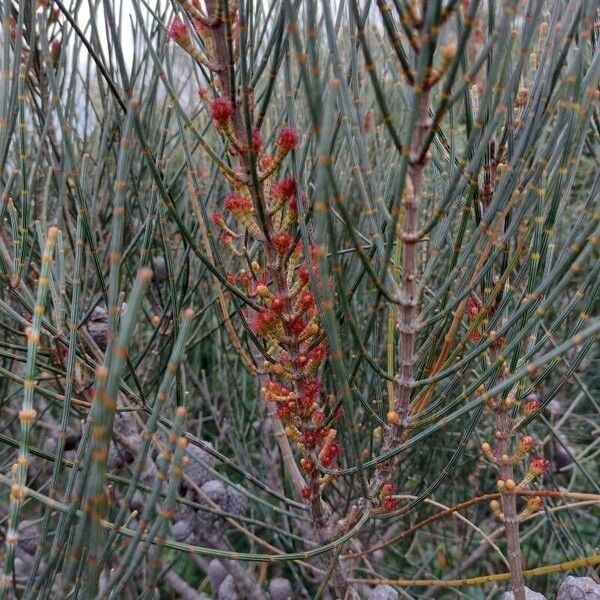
(529, 595)
(216, 573)
(215, 490)
(383, 592)
(196, 470)
(181, 531)
(578, 588)
(280, 589)
(236, 502)
(98, 325)
(227, 590)
(28, 537)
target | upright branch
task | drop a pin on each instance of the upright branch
(423, 41)
(262, 206)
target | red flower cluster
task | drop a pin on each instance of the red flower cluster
(179, 32)
(284, 189)
(329, 453)
(282, 242)
(221, 110)
(287, 140)
(539, 465)
(238, 203)
(532, 405)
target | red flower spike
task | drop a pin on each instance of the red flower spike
(282, 242)
(278, 304)
(303, 274)
(238, 204)
(310, 438)
(387, 489)
(179, 32)
(472, 308)
(390, 504)
(287, 140)
(318, 417)
(54, 50)
(319, 354)
(221, 110)
(306, 493)
(306, 301)
(284, 189)
(339, 413)
(311, 387)
(532, 405)
(539, 465)
(330, 453)
(227, 238)
(308, 464)
(264, 322)
(256, 140)
(526, 444)
(296, 326)
(266, 161)
(285, 410)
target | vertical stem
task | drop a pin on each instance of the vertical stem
(509, 503)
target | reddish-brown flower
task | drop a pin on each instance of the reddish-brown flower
(218, 220)
(318, 417)
(306, 493)
(238, 203)
(390, 504)
(539, 465)
(296, 326)
(387, 489)
(287, 140)
(330, 453)
(532, 405)
(305, 301)
(282, 242)
(221, 110)
(526, 444)
(284, 189)
(472, 308)
(265, 322)
(179, 32)
(278, 304)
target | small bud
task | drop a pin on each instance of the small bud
(263, 291)
(510, 485)
(387, 489)
(522, 97)
(448, 53)
(393, 418)
(534, 504)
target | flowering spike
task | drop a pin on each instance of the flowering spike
(221, 110)
(287, 140)
(179, 32)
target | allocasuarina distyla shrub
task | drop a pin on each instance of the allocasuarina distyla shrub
(300, 299)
